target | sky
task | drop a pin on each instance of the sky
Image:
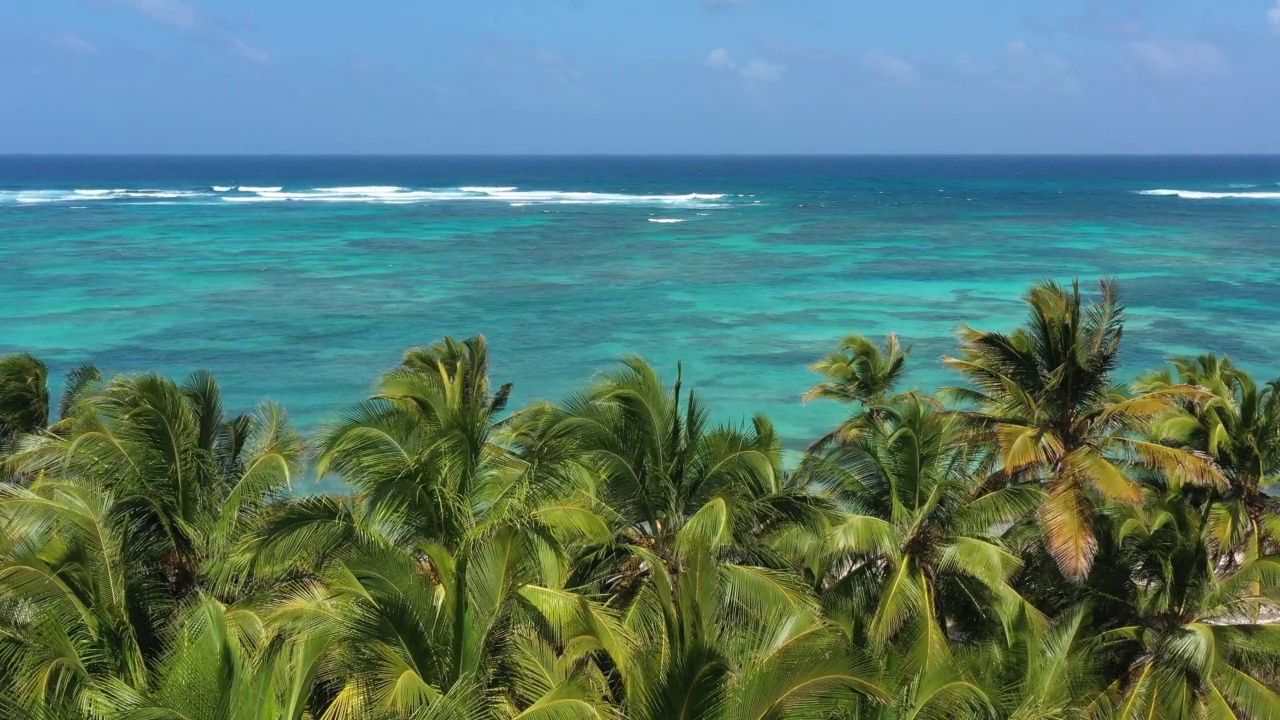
(640, 76)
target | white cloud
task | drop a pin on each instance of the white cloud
(719, 60)
(753, 73)
(1273, 18)
(1189, 59)
(1023, 66)
(212, 32)
(75, 44)
(761, 71)
(557, 64)
(965, 65)
(245, 51)
(891, 67)
(168, 12)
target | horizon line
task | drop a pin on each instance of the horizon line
(637, 155)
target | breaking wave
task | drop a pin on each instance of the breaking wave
(379, 194)
(1200, 195)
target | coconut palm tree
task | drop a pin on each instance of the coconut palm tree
(183, 478)
(399, 638)
(1046, 398)
(862, 374)
(79, 613)
(442, 580)
(24, 396)
(725, 641)
(720, 631)
(1194, 642)
(663, 477)
(221, 662)
(918, 558)
(1239, 427)
(137, 501)
(421, 448)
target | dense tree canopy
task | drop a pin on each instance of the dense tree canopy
(1041, 541)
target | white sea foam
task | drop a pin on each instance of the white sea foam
(516, 198)
(86, 195)
(665, 220)
(361, 190)
(1199, 195)
(381, 194)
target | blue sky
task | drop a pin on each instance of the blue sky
(640, 76)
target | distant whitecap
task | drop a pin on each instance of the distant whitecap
(377, 194)
(1199, 195)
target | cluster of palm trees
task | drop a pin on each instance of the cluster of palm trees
(1039, 542)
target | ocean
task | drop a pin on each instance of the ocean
(300, 279)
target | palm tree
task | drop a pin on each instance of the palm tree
(79, 612)
(720, 630)
(1239, 427)
(221, 662)
(183, 478)
(862, 374)
(443, 580)
(401, 629)
(918, 558)
(24, 396)
(1045, 397)
(664, 478)
(137, 501)
(1192, 643)
(725, 641)
(421, 448)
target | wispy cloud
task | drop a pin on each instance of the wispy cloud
(1022, 67)
(1273, 18)
(244, 51)
(511, 57)
(557, 64)
(761, 71)
(187, 20)
(74, 44)
(1106, 20)
(719, 60)
(890, 67)
(777, 48)
(1183, 59)
(174, 13)
(753, 73)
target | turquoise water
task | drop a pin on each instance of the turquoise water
(306, 292)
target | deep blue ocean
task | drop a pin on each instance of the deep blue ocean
(301, 279)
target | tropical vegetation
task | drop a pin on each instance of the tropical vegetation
(1044, 540)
